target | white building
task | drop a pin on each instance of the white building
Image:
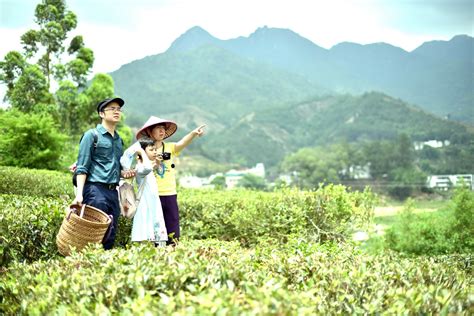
(431, 143)
(232, 177)
(445, 182)
(191, 182)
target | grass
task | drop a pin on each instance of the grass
(388, 213)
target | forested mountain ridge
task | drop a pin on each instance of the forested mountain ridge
(267, 95)
(437, 76)
(269, 135)
(210, 78)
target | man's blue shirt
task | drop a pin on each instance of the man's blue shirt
(101, 164)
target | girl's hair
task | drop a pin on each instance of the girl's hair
(146, 141)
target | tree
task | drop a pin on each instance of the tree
(219, 182)
(28, 76)
(251, 181)
(30, 140)
(318, 164)
(380, 155)
(404, 154)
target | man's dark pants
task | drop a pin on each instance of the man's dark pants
(106, 200)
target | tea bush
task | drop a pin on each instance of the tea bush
(245, 216)
(34, 182)
(28, 226)
(328, 213)
(210, 277)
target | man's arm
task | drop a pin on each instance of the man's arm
(83, 164)
(186, 140)
(81, 180)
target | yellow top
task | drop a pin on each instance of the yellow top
(166, 174)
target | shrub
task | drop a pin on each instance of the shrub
(29, 226)
(30, 140)
(242, 215)
(325, 214)
(32, 182)
(216, 277)
(463, 227)
(446, 231)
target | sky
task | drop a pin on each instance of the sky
(120, 31)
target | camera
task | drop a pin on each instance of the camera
(165, 155)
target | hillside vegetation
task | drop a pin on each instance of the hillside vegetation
(272, 64)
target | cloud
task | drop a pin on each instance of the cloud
(120, 31)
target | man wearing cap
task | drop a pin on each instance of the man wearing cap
(98, 165)
(159, 130)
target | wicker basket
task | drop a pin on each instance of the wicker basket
(80, 227)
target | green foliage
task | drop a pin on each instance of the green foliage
(216, 277)
(12, 66)
(286, 271)
(101, 87)
(30, 140)
(325, 214)
(54, 22)
(35, 183)
(32, 223)
(242, 215)
(317, 165)
(453, 159)
(219, 182)
(250, 181)
(73, 106)
(30, 89)
(463, 227)
(447, 231)
(406, 181)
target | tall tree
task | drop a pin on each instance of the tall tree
(28, 76)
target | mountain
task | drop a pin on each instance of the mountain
(271, 93)
(208, 77)
(437, 76)
(268, 135)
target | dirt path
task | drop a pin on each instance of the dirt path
(394, 210)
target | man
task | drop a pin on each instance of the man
(98, 165)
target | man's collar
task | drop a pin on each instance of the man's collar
(103, 130)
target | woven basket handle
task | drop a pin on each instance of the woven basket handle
(69, 212)
(82, 210)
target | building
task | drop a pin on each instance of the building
(431, 143)
(192, 182)
(446, 182)
(232, 177)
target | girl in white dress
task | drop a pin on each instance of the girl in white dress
(148, 222)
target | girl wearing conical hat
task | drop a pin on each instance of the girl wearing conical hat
(159, 130)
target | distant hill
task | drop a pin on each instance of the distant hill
(271, 93)
(210, 78)
(268, 135)
(438, 76)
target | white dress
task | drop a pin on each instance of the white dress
(148, 222)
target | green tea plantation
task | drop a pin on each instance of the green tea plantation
(242, 252)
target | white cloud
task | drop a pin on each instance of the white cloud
(121, 31)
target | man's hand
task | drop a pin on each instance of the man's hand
(126, 174)
(78, 200)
